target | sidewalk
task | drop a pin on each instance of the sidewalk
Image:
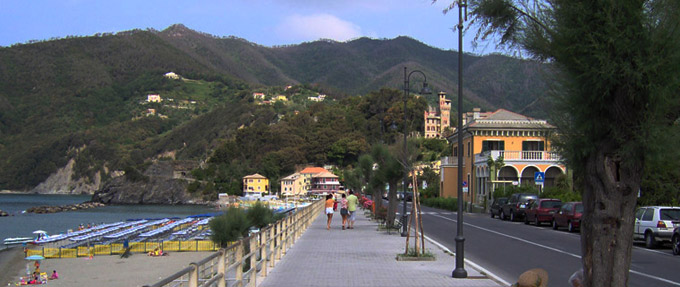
(362, 256)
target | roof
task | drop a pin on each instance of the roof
(325, 174)
(256, 175)
(502, 118)
(312, 169)
(291, 177)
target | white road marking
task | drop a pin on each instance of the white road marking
(474, 265)
(555, 249)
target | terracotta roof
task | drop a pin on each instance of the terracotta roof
(313, 170)
(256, 175)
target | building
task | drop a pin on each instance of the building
(259, 96)
(521, 141)
(325, 183)
(255, 185)
(293, 185)
(280, 98)
(308, 173)
(151, 98)
(171, 75)
(437, 120)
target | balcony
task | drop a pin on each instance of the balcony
(534, 157)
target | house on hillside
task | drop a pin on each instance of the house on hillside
(153, 98)
(522, 142)
(293, 185)
(255, 185)
(259, 96)
(172, 76)
(437, 120)
(307, 174)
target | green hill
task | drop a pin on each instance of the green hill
(83, 98)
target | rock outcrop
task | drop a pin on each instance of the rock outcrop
(158, 187)
(62, 182)
(70, 207)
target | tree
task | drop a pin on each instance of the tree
(616, 65)
(229, 227)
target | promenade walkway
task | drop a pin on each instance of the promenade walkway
(362, 256)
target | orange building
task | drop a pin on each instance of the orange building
(438, 120)
(521, 141)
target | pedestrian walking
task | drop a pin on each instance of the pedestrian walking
(330, 202)
(343, 210)
(352, 201)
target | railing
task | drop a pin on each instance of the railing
(508, 156)
(226, 266)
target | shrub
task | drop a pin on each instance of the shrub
(259, 215)
(229, 227)
(448, 203)
(560, 193)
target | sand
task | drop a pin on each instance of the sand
(104, 270)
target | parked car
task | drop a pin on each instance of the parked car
(542, 210)
(568, 215)
(675, 241)
(655, 224)
(409, 195)
(516, 205)
(495, 209)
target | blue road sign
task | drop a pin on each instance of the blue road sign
(539, 177)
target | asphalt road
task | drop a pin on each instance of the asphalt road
(509, 248)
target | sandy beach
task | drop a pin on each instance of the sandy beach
(109, 270)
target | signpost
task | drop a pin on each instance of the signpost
(465, 186)
(539, 179)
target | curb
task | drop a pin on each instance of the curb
(481, 269)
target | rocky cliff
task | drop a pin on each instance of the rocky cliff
(62, 182)
(158, 187)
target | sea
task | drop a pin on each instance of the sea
(21, 224)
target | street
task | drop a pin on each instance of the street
(509, 248)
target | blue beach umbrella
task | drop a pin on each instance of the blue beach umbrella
(35, 257)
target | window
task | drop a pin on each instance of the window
(468, 149)
(455, 151)
(649, 215)
(533, 146)
(493, 145)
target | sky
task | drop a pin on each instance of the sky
(265, 22)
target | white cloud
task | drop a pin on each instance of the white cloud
(314, 27)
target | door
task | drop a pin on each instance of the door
(638, 219)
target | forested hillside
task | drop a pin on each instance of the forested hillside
(84, 99)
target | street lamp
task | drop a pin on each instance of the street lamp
(424, 91)
(460, 272)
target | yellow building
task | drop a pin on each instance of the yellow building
(255, 185)
(293, 185)
(437, 120)
(521, 141)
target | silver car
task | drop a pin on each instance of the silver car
(655, 224)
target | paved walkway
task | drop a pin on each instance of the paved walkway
(362, 256)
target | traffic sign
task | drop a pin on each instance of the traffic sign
(539, 177)
(464, 183)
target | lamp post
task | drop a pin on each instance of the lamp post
(460, 272)
(425, 90)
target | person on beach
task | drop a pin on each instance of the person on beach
(329, 209)
(54, 275)
(343, 210)
(352, 201)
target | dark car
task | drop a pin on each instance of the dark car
(569, 215)
(516, 205)
(495, 209)
(542, 210)
(409, 196)
(675, 241)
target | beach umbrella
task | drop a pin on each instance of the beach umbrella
(39, 231)
(35, 257)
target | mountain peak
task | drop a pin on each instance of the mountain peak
(177, 30)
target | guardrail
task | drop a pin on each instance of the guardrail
(240, 263)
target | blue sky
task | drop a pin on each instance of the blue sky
(265, 22)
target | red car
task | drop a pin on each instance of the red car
(542, 210)
(569, 215)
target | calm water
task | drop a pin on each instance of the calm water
(23, 225)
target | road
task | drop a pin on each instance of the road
(509, 248)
